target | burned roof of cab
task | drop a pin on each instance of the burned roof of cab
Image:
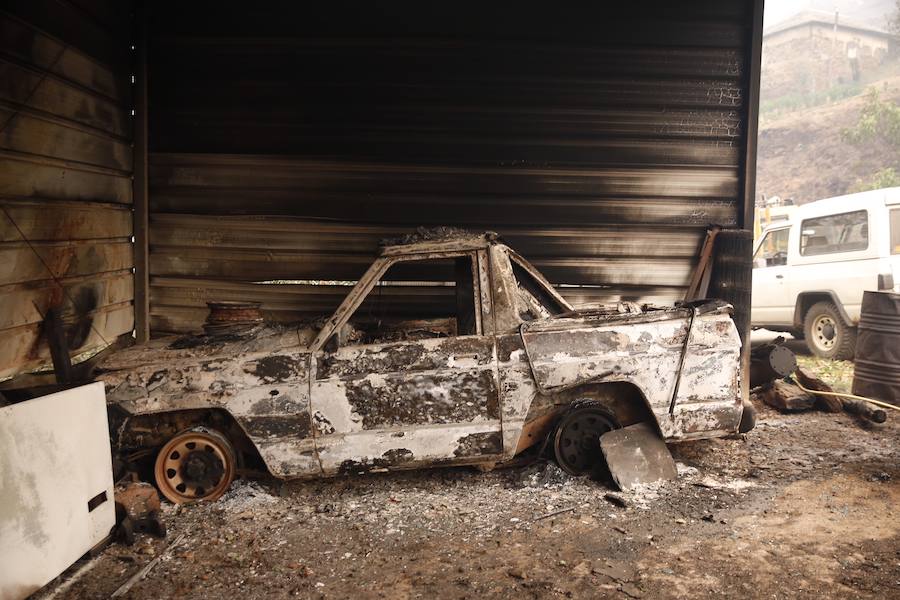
(425, 238)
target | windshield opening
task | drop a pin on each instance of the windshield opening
(535, 301)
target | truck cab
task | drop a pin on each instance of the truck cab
(483, 360)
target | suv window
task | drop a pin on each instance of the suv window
(846, 232)
(895, 231)
(772, 252)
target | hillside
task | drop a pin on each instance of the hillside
(801, 154)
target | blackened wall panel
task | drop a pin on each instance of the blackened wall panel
(599, 141)
(65, 176)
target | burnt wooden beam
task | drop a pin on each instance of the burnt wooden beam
(141, 190)
(55, 334)
(786, 397)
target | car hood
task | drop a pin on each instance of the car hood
(192, 349)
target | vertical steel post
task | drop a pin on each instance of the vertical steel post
(140, 188)
(749, 188)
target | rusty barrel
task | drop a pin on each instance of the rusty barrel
(877, 363)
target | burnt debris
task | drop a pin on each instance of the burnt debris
(437, 234)
(232, 317)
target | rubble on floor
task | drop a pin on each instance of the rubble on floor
(728, 526)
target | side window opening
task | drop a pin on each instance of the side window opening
(417, 299)
(533, 301)
(846, 232)
(773, 250)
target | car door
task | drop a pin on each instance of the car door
(418, 400)
(771, 303)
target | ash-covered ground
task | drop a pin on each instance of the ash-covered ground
(805, 506)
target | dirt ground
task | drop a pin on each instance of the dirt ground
(804, 506)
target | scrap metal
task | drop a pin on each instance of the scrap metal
(313, 400)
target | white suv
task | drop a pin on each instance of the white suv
(809, 273)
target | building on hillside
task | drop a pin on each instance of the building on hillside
(814, 51)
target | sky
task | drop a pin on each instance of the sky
(871, 12)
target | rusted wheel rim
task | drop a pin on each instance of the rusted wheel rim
(195, 465)
(577, 440)
(824, 332)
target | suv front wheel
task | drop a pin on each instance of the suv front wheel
(827, 336)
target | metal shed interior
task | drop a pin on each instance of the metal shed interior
(274, 144)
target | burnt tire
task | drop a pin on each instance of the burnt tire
(196, 464)
(576, 439)
(748, 417)
(826, 333)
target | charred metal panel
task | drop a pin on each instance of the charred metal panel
(261, 380)
(600, 141)
(646, 350)
(415, 399)
(427, 399)
(360, 361)
(517, 388)
(416, 447)
(65, 176)
(479, 445)
(291, 427)
(503, 287)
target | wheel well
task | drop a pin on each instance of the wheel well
(624, 400)
(140, 435)
(806, 300)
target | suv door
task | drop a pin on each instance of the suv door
(772, 303)
(410, 395)
(835, 254)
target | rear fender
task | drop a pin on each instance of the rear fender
(806, 299)
(645, 351)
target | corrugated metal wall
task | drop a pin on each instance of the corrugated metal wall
(287, 139)
(65, 175)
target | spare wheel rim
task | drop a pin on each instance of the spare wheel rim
(194, 466)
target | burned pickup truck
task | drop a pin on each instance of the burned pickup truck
(495, 363)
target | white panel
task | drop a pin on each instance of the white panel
(54, 457)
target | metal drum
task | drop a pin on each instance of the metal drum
(877, 371)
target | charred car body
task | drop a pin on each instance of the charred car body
(496, 365)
